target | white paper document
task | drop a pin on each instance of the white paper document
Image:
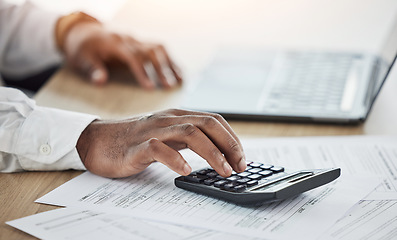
(116, 207)
(76, 224)
(353, 154)
(152, 195)
(375, 219)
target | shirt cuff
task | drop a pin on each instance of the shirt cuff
(48, 138)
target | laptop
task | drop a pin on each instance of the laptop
(309, 86)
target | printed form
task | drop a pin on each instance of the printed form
(375, 219)
(369, 219)
(72, 223)
(353, 154)
(152, 194)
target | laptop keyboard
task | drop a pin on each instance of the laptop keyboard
(310, 82)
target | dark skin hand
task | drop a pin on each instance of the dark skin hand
(90, 48)
(126, 147)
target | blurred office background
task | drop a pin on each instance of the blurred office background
(184, 26)
(192, 30)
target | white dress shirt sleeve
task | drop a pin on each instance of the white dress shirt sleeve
(27, 39)
(38, 138)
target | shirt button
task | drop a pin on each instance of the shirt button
(45, 149)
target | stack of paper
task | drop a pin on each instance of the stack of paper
(148, 206)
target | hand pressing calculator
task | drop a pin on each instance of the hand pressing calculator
(258, 184)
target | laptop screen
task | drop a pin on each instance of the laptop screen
(387, 57)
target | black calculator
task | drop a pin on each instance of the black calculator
(258, 184)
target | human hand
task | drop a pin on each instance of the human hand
(89, 48)
(126, 147)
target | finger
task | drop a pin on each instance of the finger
(175, 70)
(155, 150)
(94, 68)
(198, 142)
(220, 134)
(156, 58)
(228, 144)
(130, 57)
(180, 112)
(167, 118)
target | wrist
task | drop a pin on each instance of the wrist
(66, 24)
(83, 142)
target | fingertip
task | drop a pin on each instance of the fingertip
(242, 165)
(227, 169)
(186, 169)
(148, 86)
(144, 81)
(98, 76)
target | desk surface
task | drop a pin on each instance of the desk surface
(121, 99)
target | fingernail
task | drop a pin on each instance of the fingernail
(187, 169)
(227, 168)
(97, 75)
(242, 165)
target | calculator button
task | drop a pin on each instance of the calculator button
(220, 183)
(255, 170)
(233, 178)
(204, 171)
(229, 186)
(265, 173)
(239, 188)
(195, 178)
(212, 174)
(244, 174)
(209, 181)
(277, 169)
(219, 177)
(255, 176)
(243, 180)
(255, 165)
(266, 166)
(252, 183)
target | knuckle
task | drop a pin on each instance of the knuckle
(173, 111)
(156, 46)
(215, 153)
(152, 145)
(116, 37)
(150, 52)
(130, 39)
(210, 121)
(163, 121)
(189, 129)
(218, 117)
(234, 146)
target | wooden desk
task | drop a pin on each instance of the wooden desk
(68, 91)
(121, 99)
